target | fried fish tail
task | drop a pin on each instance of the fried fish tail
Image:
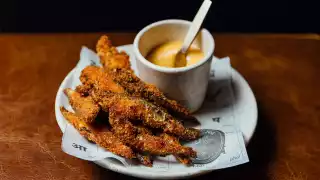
(175, 142)
(110, 57)
(157, 146)
(84, 107)
(190, 134)
(183, 159)
(102, 137)
(145, 159)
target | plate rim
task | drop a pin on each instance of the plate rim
(146, 174)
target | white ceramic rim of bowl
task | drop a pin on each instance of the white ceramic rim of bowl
(152, 175)
(166, 69)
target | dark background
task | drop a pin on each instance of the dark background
(282, 16)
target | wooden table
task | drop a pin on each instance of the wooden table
(281, 69)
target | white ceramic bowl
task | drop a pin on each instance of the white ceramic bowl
(188, 85)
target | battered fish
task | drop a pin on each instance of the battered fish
(101, 136)
(118, 64)
(134, 108)
(106, 92)
(171, 140)
(110, 57)
(145, 159)
(84, 107)
(128, 134)
(175, 142)
(135, 87)
(142, 140)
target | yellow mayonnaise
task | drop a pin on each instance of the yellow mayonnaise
(165, 54)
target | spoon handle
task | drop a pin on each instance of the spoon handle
(196, 23)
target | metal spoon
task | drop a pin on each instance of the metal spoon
(180, 60)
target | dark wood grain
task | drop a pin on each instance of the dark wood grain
(282, 71)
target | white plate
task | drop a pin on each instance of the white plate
(245, 112)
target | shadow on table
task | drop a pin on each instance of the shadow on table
(261, 151)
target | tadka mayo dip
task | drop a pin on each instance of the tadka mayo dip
(165, 54)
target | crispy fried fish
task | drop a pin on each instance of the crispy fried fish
(145, 159)
(142, 140)
(134, 108)
(136, 87)
(107, 93)
(110, 57)
(175, 142)
(95, 77)
(101, 136)
(118, 64)
(169, 139)
(121, 108)
(84, 107)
